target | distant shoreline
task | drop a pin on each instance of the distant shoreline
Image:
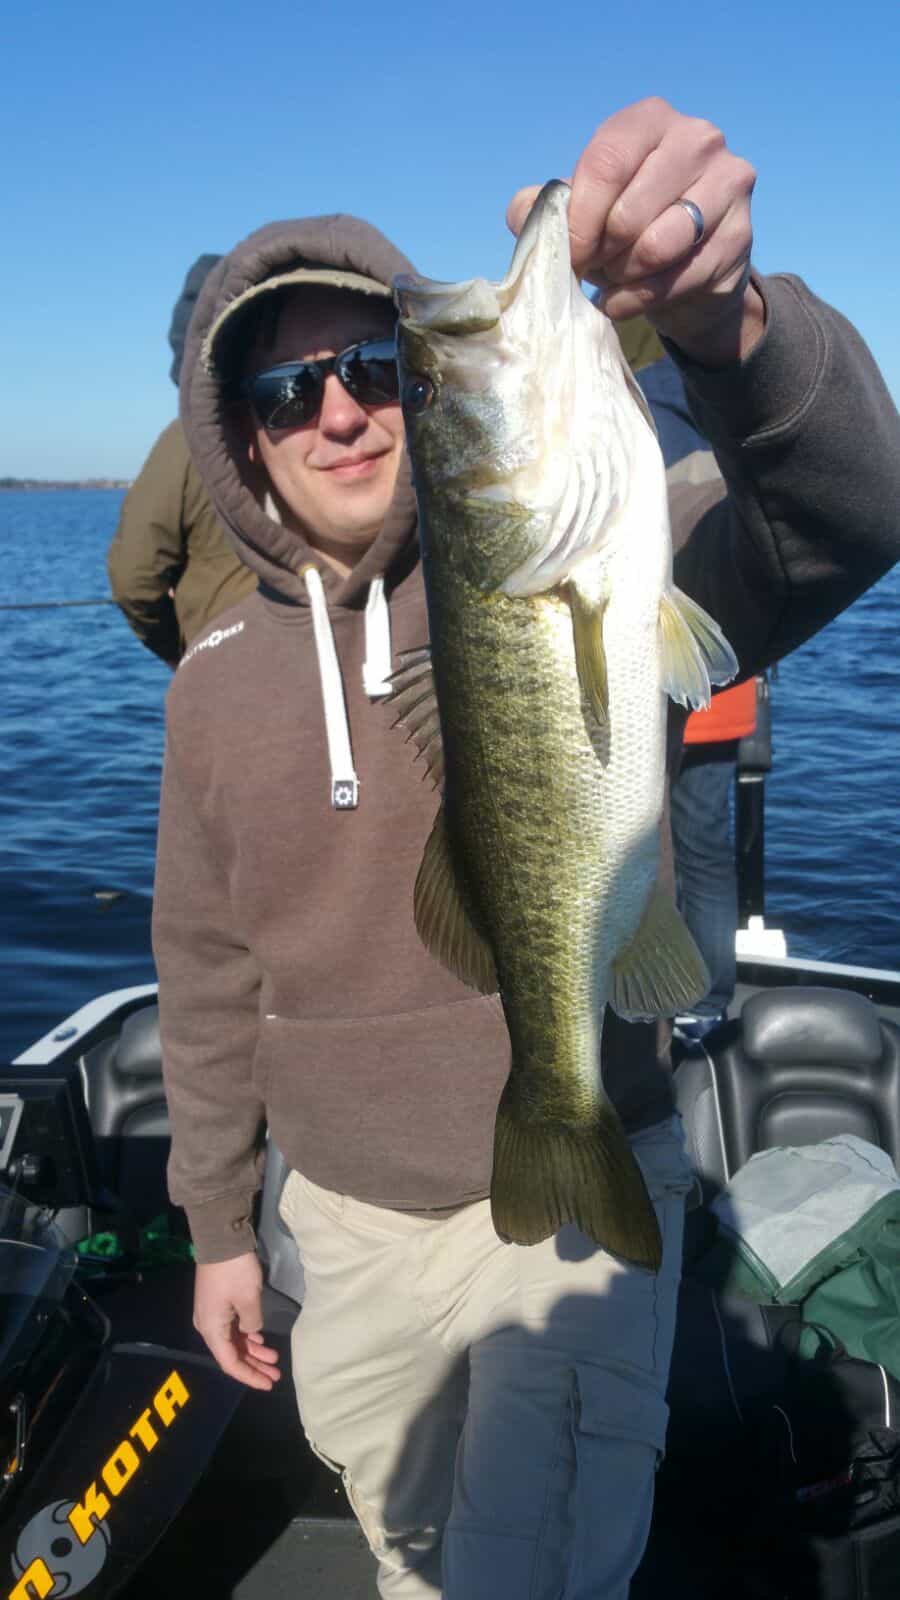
(62, 483)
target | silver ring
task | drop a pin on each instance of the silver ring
(696, 216)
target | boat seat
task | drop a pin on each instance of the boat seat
(127, 1108)
(799, 1065)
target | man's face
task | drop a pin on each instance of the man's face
(337, 473)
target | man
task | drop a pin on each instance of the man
(497, 1412)
(171, 568)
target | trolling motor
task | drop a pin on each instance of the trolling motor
(103, 1432)
(47, 1152)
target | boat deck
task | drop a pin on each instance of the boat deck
(270, 1522)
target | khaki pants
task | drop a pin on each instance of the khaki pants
(497, 1413)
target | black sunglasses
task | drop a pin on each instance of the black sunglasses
(290, 394)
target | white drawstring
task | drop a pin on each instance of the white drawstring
(344, 782)
(376, 669)
(377, 665)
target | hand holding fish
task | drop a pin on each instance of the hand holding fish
(631, 236)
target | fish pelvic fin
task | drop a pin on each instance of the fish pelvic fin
(547, 1175)
(694, 651)
(590, 656)
(443, 919)
(661, 971)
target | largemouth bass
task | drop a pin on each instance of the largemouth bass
(556, 636)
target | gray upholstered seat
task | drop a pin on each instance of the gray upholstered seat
(801, 1065)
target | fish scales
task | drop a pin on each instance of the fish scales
(523, 815)
(556, 635)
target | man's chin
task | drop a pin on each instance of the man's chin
(358, 511)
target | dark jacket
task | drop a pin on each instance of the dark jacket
(294, 989)
(169, 537)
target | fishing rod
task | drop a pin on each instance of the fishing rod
(48, 605)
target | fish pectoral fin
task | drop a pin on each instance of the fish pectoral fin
(590, 656)
(443, 919)
(694, 651)
(547, 1175)
(661, 971)
(413, 698)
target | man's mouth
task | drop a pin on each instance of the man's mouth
(353, 466)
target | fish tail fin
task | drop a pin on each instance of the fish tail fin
(547, 1175)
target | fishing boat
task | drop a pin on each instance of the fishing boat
(181, 1481)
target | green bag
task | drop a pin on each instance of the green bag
(816, 1226)
(860, 1301)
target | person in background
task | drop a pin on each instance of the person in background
(171, 567)
(701, 793)
(703, 841)
(497, 1412)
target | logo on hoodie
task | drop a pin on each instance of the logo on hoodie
(213, 640)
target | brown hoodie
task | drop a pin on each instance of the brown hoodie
(294, 990)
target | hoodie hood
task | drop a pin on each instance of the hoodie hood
(338, 245)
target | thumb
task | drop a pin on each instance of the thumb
(519, 207)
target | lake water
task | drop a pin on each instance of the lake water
(81, 724)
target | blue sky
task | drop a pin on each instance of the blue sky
(137, 136)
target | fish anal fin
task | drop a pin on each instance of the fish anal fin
(548, 1175)
(443, 920)
(661, 971)
(590, 656)
(693, 650)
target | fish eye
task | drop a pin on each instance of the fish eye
(418, 394)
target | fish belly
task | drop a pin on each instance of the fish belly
(632, 775)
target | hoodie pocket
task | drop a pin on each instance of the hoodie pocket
(395, 1110)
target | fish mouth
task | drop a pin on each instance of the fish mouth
(476, 305)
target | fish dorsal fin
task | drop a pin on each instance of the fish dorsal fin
(443, 919)
(661, 971)
(590, 656)
(413, 698)
(694, 651)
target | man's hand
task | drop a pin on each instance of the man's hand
(631, 238)
(228, 1316)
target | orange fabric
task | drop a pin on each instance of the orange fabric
(731, 715)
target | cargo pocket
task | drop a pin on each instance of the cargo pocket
(609, 1405)
(619, 1431)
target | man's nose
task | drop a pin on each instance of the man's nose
(340, 413)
